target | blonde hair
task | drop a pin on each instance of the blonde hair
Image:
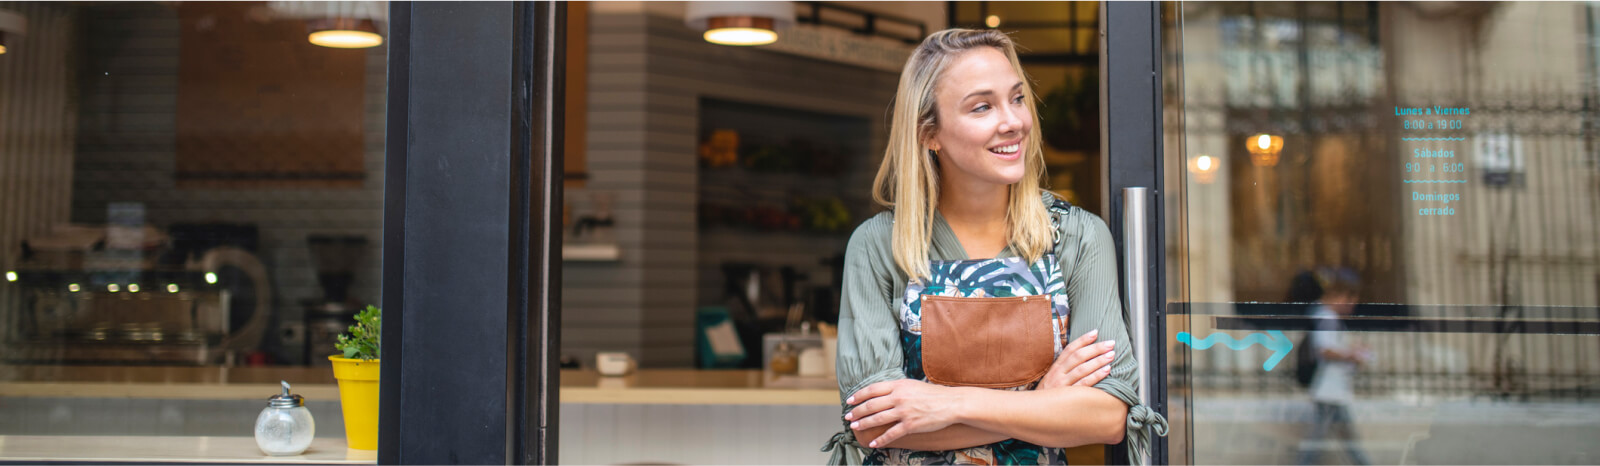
(908, 180)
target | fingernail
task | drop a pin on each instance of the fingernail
(855, 425)
(1094, 332)
(1110, 355)
(873, 444)
(848, 416)
(1106, 369)
(851, 400)
(1111, 343)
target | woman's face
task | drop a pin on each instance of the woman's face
(983, 122)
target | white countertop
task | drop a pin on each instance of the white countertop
(649, 386)
(37, 448)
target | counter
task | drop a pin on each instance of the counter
(650, 386)
(95, 449)
(689, 386)
(201, 414)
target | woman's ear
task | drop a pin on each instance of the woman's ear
(928, 135)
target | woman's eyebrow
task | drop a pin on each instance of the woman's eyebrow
(1014, 87)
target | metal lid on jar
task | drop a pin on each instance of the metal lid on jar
(285, 399)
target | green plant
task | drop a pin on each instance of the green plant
(364, 339)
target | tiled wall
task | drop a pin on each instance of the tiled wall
(37, 125)
(647, 74)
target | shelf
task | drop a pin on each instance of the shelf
(591, 252)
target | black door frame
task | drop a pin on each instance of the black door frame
(472, 243)
(1130, 77)
(471, 233)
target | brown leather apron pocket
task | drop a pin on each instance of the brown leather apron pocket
(986, 342)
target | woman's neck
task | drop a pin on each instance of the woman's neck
(977, 216)
(974, 206)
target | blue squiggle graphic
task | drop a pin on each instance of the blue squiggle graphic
(1272, 340)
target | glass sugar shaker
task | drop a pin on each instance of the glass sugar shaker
(285, 427)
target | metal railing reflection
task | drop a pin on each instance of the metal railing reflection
(1549, 353)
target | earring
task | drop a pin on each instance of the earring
(932, 154)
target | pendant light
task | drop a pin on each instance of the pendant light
(344, 33)
(1264, 149)
(739, 23)
(344, 25)
(12, 26)
(1204, 168)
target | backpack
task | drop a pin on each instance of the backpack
(1305, 362)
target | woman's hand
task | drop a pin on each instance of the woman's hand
(1082, 362)
(911, 406)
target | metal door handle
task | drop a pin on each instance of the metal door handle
(1137, 282)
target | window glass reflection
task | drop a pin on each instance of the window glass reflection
(190, 211)
(1421, 234)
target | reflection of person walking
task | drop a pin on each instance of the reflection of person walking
(1332, 388)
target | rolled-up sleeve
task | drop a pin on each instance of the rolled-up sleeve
(869, 345)
(1092, 295)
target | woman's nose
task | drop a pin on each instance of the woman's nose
(1010, 120)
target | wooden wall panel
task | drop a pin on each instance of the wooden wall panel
(576, 134)
(259, 105)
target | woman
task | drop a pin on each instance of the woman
(969, 229)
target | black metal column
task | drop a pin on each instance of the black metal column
(534, 319)
(1130, 83)
(470, 241)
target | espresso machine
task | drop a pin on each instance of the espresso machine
(132, 295)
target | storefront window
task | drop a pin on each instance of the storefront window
(1385, 250)
(191, 212)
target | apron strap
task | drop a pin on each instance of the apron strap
(1057, 207)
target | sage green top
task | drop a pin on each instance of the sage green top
(869, 345)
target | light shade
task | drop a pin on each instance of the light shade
(739, 23)
(344, 33)
(740, 30)
(1264, 149)
(345, 25)
(1204, 168)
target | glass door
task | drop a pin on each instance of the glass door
(1382, 242)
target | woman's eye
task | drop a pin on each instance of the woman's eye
(1016, 100)
(981, 108)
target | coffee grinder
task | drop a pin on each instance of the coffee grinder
(336, 258)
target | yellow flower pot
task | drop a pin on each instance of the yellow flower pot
(358, 398)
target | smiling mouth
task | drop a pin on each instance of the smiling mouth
(1006, 150)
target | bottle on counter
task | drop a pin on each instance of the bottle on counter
(285, 427)
(784, 360)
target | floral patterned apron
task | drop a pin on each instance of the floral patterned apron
(998, 277)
